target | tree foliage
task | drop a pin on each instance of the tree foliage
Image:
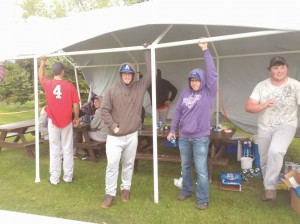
(58, 8)
(17, 86)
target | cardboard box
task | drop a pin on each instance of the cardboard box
(231, 181)
(291, 166)
(295, 202)
(292, 180)
(280, 184)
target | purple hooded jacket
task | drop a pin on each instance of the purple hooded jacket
(193, 109)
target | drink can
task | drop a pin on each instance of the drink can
(160, 125)
(173, 140)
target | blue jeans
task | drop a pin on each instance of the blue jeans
(197, 149)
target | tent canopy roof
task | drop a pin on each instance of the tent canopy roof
(110, 36)
(133, 25)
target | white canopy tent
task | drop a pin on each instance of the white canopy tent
(243, 36)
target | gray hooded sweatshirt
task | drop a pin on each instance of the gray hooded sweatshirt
(122, 104)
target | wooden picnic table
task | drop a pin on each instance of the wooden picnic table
(83, 141)
(17, 131)
(218, 141)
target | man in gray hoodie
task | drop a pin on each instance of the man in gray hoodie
(121, 111)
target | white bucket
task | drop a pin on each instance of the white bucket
(246, 162)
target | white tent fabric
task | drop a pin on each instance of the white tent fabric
(241, 62)
(243, 36)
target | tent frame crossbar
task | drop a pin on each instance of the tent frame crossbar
(163, 45)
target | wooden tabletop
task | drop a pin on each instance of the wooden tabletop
(214, 135)
(82, 126)
(12, 127)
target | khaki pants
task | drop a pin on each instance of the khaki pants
(120, 148)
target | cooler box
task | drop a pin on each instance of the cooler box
(231, 181)
(231, 148)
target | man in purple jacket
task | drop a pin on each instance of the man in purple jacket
(192, 117)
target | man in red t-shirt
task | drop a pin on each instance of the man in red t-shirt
(62, 100)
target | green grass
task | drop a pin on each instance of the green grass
(82, 199)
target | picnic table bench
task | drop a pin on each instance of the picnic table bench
(83, 141)
(218, 141)
(211, 162)
(18, 130)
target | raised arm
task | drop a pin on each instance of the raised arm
(147, 76)
(43, 60)
(211, 71)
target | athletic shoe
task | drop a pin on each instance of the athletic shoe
(125, 195)
(86, 158)
(69, 182)
(269, 195)
(108, 201)
(182, 197)
(202, 206)
(52, 183)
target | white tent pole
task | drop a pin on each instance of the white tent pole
(218, 93)
(197, 59)
(221, 38)
(173, 44)
(77, 85)
(68, 60)
(76, 77)
(162, 35)
(154, 123)
(36, 120)
(154, 114)
(170, 44)
(121, 44)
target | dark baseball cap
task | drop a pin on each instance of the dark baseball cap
(57, 68)
(277, 60)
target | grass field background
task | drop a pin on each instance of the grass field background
(81, 200)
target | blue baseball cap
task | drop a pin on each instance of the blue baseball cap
(126, 69)
(195, 75)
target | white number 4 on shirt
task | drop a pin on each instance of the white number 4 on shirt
(57, 92)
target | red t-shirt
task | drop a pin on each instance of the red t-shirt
(60, 96)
